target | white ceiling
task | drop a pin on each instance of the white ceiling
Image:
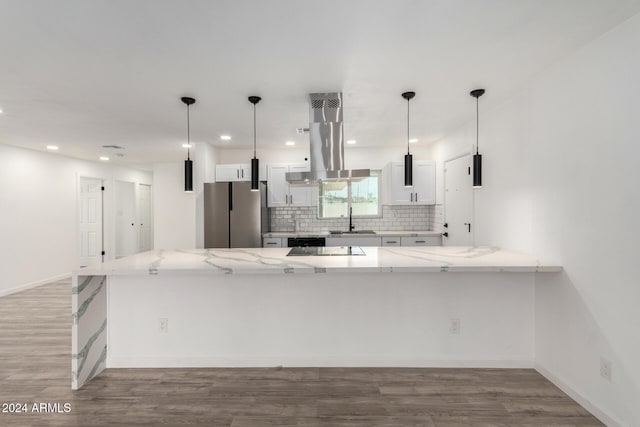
(82, 74)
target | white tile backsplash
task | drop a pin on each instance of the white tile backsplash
(401, 218)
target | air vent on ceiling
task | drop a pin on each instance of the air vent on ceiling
(115, 147)
(333, 103)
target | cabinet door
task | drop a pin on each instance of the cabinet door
(227, 173)
(336, 241)
(421, 241)
(399, 194)
(271, 242)
(424, 183)
(301, 194)
(364, 241)
(245, 172)
(391, 241)
(277, 186)
(353, 241)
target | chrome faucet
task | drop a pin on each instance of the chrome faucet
(351, 226)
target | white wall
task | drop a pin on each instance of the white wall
(179, 216)
(174, 210)
(356, 157)
(561, 181)
(38, 213)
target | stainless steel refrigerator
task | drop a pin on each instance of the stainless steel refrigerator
(234, 216)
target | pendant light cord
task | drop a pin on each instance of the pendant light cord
(188, 134)
(477, 125)
(254, 131)
(408, 137)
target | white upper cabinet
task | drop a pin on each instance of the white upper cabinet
(277, 186)
(237, 172)
(231, 172)
(424, 183)
(423, 191)
(281, 193)
(398, 194)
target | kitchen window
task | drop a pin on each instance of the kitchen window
(336, 197)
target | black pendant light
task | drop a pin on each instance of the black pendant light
(477, 158)
(188, 164)
(408, 158)
(255, 163)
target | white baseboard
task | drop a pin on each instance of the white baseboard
(295, 362)
(30, 285)
(606, 418)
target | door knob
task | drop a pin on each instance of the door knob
(469, 226)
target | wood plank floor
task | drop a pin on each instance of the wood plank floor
(35, 343)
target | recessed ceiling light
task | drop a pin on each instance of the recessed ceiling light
(290, 143)
(187, 145)
(104, 158)
(0, 111)
(52, 147)
(351, 141)
(225, 137)
(412, 140)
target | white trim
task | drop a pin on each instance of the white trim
(608, 419)
(231, 361)
(37, 283)
(462, 153)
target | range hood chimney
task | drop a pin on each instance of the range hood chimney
(327, 142)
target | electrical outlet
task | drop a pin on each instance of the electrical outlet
(454, 326)
(164, 325)
(605, 369)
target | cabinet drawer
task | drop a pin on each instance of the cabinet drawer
(421, 241)
(271, 242)
(391, 241)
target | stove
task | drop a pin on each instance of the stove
(327, 251)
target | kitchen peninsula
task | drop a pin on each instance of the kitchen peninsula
(394, 306)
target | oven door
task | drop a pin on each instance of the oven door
(297, 242)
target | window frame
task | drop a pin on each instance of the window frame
(374, 172)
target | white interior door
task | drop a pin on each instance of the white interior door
(144, 209)
(458, 202)
(126, 224)
(90, 217)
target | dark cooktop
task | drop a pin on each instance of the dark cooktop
(326, 251)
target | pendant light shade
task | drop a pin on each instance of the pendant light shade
(255, 162)
(408, 158)
(477, 158)
(188, 164)
(408, 170)
(188, 176)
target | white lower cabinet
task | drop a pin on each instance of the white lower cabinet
(421, 241)
(272, 242)
(353, 241)
(391, 241)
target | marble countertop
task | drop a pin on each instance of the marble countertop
(432, 259)
(327, 234)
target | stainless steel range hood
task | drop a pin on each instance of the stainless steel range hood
(327, 142)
